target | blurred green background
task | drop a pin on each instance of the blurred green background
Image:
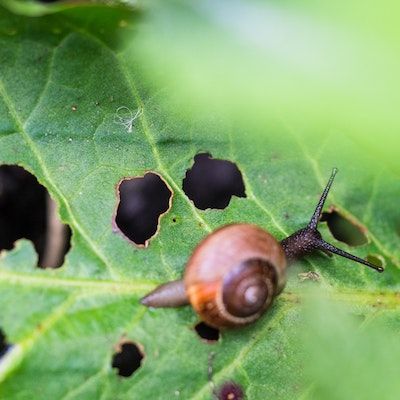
(321, 67)
(316, 84)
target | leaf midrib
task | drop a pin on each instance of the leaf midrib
(46, 281)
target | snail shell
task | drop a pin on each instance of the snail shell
(234, 274)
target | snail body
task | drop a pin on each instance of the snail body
(234, 274)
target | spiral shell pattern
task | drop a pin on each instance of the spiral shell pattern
(234, 275)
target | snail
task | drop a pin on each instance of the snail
(234, 274)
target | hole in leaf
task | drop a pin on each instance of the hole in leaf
(127, 359)
(4, 346)
(142, 201)
(27, 211)
(230, 391)
(376, 259)
(207, 332)
(211, 183)
(343, 229)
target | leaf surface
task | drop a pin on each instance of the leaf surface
(62, 79)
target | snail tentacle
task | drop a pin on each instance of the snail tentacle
(170, 294)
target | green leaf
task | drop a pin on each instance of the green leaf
(37, 8)
(62, 79)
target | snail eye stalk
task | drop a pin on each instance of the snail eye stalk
(308, 239)
(318, 210)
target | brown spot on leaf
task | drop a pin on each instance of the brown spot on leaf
(308, 276)
(230, 391)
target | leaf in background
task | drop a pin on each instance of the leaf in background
(44, 7)
(350, 354)
(62, 79)
(321, 67)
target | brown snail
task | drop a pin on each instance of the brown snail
(234, 274)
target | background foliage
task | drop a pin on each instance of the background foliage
(287, 91)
